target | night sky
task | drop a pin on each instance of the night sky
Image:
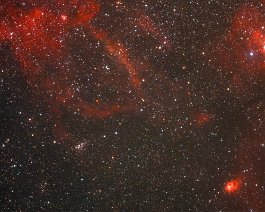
(128, 105)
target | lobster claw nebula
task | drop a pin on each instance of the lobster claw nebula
(132, 105)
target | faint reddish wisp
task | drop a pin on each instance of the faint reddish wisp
(202, 118)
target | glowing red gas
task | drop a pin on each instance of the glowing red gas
(232, 186)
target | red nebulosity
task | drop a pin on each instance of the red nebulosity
(37, 36)
(232, 186)
(64, 17)
(119, 52)
(149, 27)
(243, 46)
(251, 156)
(38, 33)
(202, 118)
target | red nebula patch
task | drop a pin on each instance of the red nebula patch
(243, 46)
(202, 118)
(232, 186)
(64, 17)
(38, 37)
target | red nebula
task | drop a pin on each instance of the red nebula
(150, 28)
(202, 118)
(64, 17)
(232, 186)
(243, 46)
(37, 35)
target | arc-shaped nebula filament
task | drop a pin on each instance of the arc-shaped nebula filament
(38, 37)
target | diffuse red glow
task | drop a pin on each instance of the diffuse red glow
(37, 36)
(37, 39)
(148, 25)
(202, 118)
(64, 17)
(232, 186)
(119, 52)
(244, 45)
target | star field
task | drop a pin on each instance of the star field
(132, 105)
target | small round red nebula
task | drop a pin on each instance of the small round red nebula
(64, 17)
(232, 186)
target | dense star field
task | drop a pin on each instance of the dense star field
(137, 105)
